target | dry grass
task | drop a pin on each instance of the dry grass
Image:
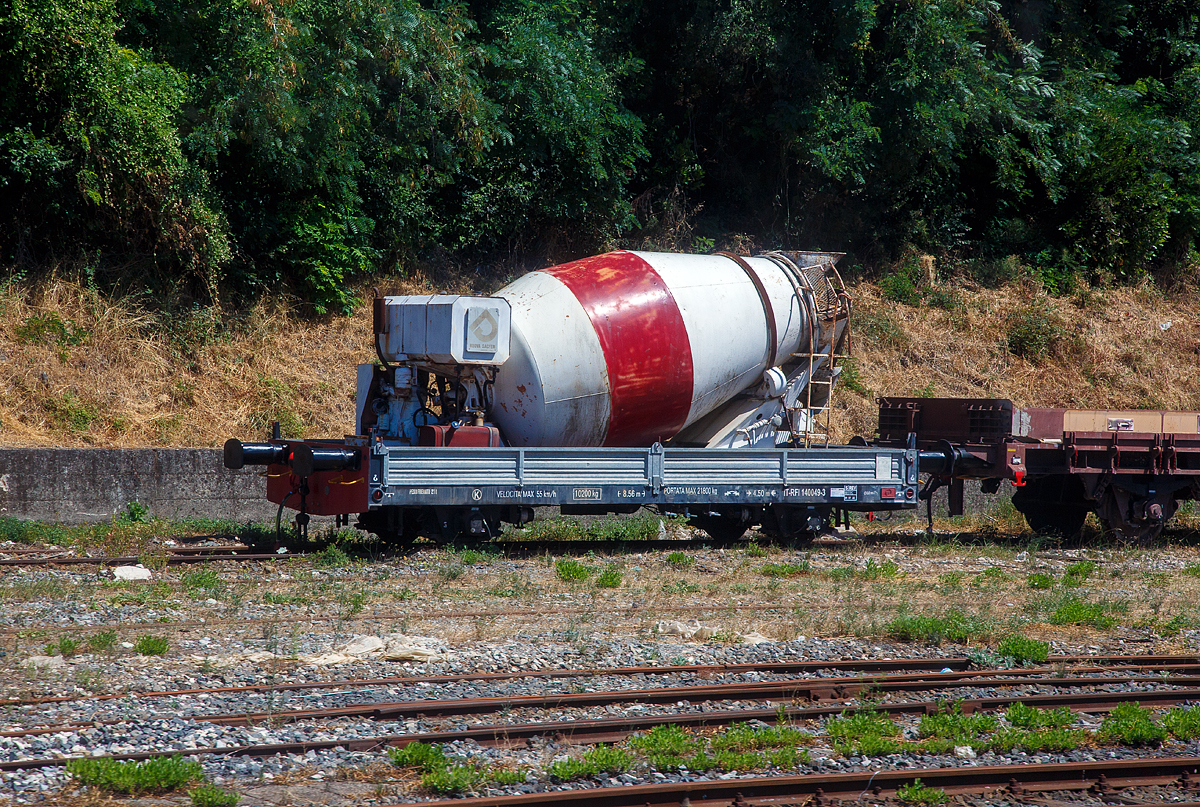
(126, 377)
(193, 378)
(1111, 352)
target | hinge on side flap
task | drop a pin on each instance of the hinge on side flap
(654, 469)
(913, 473)
(520, 467)
(783, 466)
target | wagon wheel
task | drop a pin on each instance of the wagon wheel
(722, 529)
(1053, 504)
(394, 526)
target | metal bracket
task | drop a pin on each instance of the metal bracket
(654, 468)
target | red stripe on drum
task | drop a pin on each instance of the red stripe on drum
(645, 344)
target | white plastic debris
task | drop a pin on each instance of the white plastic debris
(1164, 326)
(400, 647)
(964, 752)
(692, 631)
(392, 647)
(46, 661)
(138, 572)
(753, 638)
(363, 646)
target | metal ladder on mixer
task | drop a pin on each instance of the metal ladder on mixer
(828, 302)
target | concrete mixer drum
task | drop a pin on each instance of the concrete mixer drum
(621, 349)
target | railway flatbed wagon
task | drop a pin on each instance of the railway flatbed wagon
(1130, 467)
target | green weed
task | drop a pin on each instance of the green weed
(601, 759)
(952, 724)
(609, 578)
(1023, 650)
(917, 793)
(454, 779)
(1039, 581)
(102, 642)
(1022, 716)
(151, 645)
(157, 775)
(213, 796)
(743, 737)
(331, 557)
(1184, 724)
(953, 626)
(785, 569)
(1077, 573)
(422, 756)
(755, 550)
(65, 647)
(1130, 724)
(680, 560)
(864, 732)
(571, 571)
(202, 583)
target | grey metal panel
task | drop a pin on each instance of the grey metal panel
(615, 466)
(414, 466)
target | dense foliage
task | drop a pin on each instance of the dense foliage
(261, 144)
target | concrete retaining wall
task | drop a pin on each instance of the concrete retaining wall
(86, 485)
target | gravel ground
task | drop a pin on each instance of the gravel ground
(504, 615)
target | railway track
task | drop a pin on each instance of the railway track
(893, 668)
(1011, 782)
(778, 694)
(511, 549)
(795, 700)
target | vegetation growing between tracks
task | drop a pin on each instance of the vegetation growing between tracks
(745, 747)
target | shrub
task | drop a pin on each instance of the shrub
(157, 775)
(900, 288)
(1032, 332)
(151, 645)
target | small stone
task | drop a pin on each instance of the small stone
(964, 752)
